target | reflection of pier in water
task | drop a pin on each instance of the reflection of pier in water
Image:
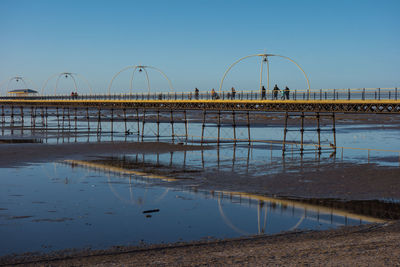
(330, 211)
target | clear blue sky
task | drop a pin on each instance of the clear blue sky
(340, 44)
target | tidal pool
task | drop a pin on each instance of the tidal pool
(89, 204)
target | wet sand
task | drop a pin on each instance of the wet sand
(343, 181)
(14, 155)
(367, 245)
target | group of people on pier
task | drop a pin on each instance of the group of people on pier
(285, 94)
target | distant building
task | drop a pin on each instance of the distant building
(23, 92)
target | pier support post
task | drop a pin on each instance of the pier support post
(58, 119)
(12, 116)
(63, 118)
(302, 134)
(186, 126)
(3, 116)
(138, 122)
(12, 120)
(112, 122)
(219, 126)
(234, 126)
(22, 119)
(69, 119)
(88, 120)
(158, 125)
(172, 126)
(248, 127)
(43, 117)
(34, 117)
(203, 126)
(284, 133)
(143, 122)
(334, 131)
(99, 121)
(3, 120)
(46, 115)
(319, 132)
(125, 125)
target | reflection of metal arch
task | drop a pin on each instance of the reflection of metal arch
(263, 56)
(17, 79)
(259, 212)
(144, 68)
(66, 75)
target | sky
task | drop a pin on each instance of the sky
(339, 44)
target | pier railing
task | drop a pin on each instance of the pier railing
(314, 94)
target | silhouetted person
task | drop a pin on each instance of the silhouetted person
(213, 94)
(263, 92)
(287, 93)
(233, 93)
(276, 91)
(196, 94)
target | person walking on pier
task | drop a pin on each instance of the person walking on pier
(214, 95)
(263, 93)
(233, 93)
(196, 94)
(287, 93)
(276, 91)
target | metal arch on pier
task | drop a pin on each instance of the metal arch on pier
(144, 68)
(266, 56)
(17, 79)
(66, 75)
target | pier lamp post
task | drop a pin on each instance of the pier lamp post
(264, 59)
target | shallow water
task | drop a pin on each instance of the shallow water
(54, 206)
